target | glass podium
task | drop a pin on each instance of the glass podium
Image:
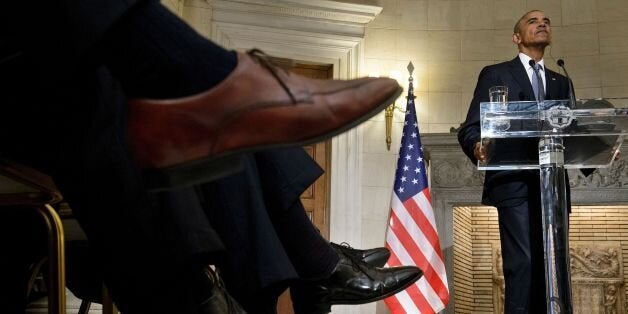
(552, 136)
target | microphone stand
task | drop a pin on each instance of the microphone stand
(572, 93)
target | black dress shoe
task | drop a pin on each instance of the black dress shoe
(218, 301)
(352, 282)
(376, 257)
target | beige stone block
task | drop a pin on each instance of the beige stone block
(420, 76)
(440, 127)
(380, 43)
(503, 47)
(612, 10)
(588, 93)
(443, 46)
(507, 12)
(413, 14)
(469, 72)
(380, 117)
(465, 102)
(613, 37)
(374, 137)
(411, 45)
(614, 68)
(550, 61)
(171, 5)
(372, 67)
(574, 40)
(444, 108)
(579, 12)
(444, 76)
(476, 15)
(385, 21)
(615, 91)
(443, 15)
(584, 71)
(373, 232)
(422, 107)
(552, 9)
(389, 17)
(378, 169)
(376, 202)
(477, 45)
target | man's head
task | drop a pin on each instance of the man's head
(532, 31)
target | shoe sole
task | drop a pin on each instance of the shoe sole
(192, 174)
(380, 297)
(222, 165)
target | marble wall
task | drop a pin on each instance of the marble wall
(449, 41)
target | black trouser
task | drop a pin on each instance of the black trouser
(521, 236)
(269, 238)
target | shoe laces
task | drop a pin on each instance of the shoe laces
(345, 245)
(358, 265)
(356, 262)
(262, 58)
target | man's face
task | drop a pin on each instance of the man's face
(534, 30)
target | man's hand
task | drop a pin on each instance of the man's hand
(479, 151)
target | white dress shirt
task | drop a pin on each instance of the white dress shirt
(525, 60)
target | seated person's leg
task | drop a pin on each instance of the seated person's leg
(238, 102)
(270, 239)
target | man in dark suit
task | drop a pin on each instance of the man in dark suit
(516, 194)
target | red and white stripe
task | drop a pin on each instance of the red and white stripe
(413, 240)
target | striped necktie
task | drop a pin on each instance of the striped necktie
(537, 83)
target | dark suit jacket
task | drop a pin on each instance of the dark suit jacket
(507, 188)
(65, 115)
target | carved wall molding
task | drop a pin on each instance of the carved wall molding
(318, 16)
(596, 276)
(455, 173)
(596, 261)
(615, 177)
(314, 9)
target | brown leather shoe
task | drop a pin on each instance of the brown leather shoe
(258, 106)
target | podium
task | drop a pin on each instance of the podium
(552, 136)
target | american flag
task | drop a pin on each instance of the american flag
(411, 236)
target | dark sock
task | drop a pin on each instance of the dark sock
(154, 54)
(264, 301)
(310, 253)
(308, 299)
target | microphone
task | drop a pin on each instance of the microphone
(572, 94)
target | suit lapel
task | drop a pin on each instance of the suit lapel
(551, 82)
(518, 72)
